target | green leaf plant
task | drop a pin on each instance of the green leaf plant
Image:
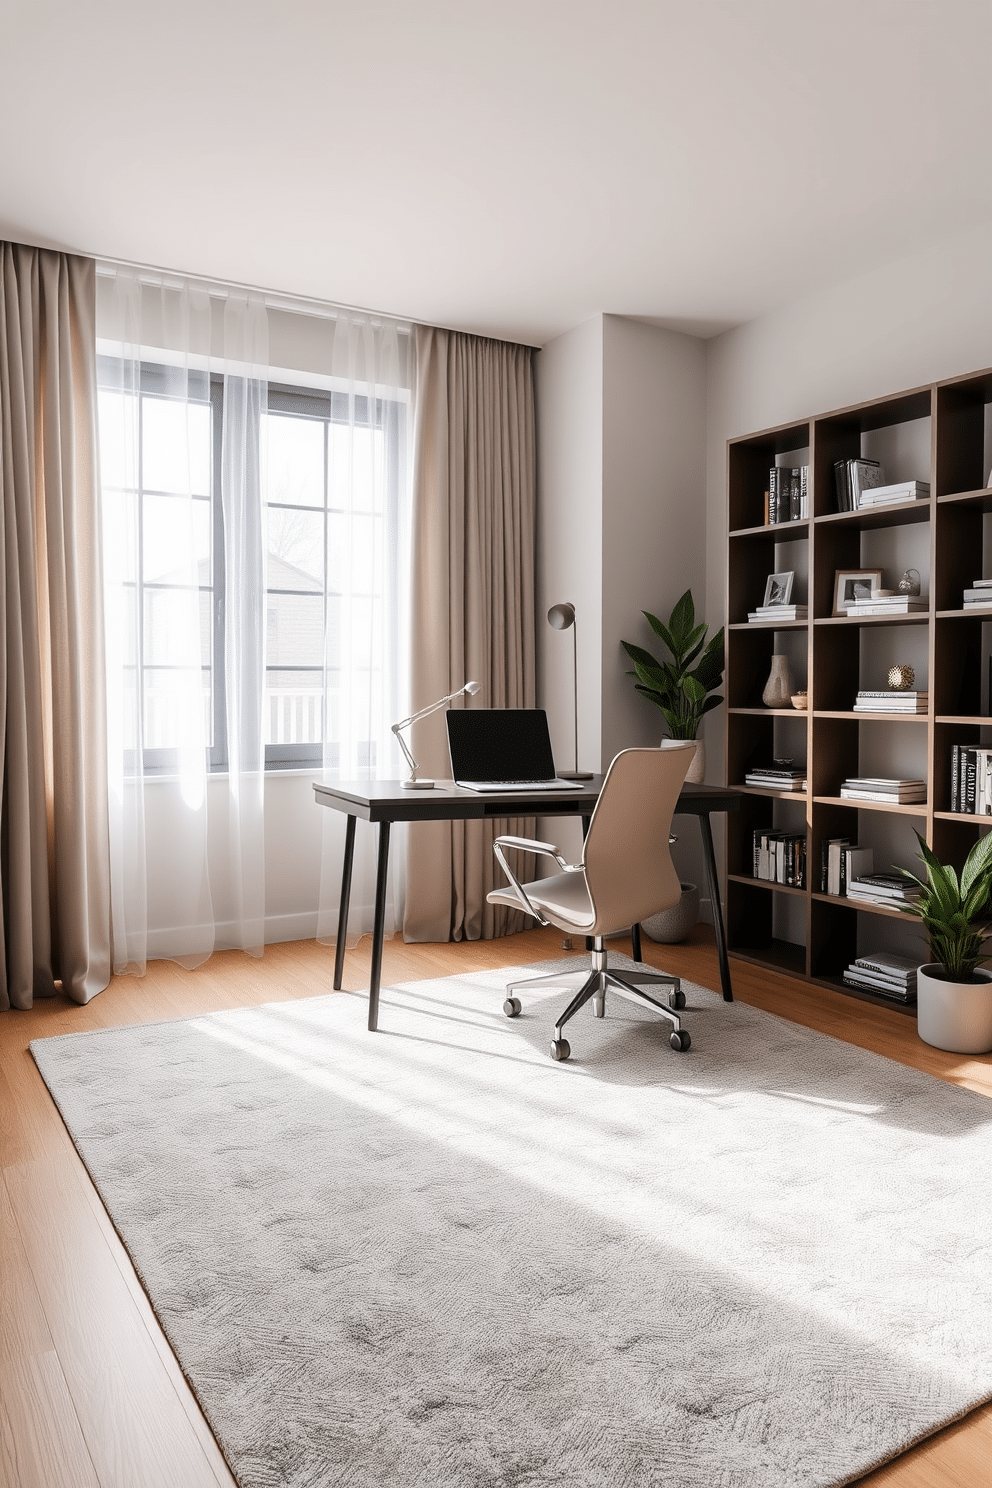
(955, 910)
(682, 687)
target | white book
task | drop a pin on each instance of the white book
(898, 491)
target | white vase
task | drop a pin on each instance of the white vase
(778, 689)
(696, 773)
(956, 1016)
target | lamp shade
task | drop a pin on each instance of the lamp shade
(561, 616)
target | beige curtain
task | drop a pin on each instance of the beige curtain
(473, 599)
(54, 837)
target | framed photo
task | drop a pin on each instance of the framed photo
(854, 583)
(778, 590)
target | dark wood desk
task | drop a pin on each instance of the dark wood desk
(384, 802)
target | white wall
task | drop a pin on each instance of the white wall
(621, 524)
(569, 396)
(654, 507)
(926, 317)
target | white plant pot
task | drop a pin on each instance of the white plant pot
(696, 773)
(956, 1016)
(673, 925)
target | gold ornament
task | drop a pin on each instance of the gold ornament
(901, 678)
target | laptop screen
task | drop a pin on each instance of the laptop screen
(499, 744)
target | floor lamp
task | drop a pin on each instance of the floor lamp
(562, 617)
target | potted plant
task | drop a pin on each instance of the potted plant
(954, 997)
(683, 687)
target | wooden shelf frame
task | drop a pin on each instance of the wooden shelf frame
(953, 515)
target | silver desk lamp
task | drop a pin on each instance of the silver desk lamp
(414, 783)
(562, 617)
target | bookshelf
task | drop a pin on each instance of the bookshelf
(941, 433)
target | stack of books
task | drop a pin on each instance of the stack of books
(852, 478)
(971, 780)
(787, 497)
(891, 702)
(979, 595)
(872, 788)
(777, 613)
(889, 495)
(888, 889)
(780, 857)
(840, 862)
(884, 602)
(778, 777)
(886, 973)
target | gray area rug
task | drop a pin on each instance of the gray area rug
(431, 1256)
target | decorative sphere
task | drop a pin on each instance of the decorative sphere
(901, 678)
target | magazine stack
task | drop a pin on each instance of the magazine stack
(884, 973)
(890, 890)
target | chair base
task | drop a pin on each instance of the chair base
(629, 984)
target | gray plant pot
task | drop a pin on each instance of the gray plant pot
(673, 925)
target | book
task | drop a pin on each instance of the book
(857, 860)
(891, 694)
(889, 963)
(902, 798)
(981, 583)
(778, 613)
(901, 491)
(865, 474)
(900, 604)
(891, 886)
(865, 983)
(788, 494)
(836, 882)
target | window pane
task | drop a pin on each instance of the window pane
(177, 627)
(351, 552)
(118, 439)
(293, 460)
(120, 536)
(177, 708)
(295, 549)
(176, 540)
(294, 707)
(356, 468)
(175, 446)
(295, 630)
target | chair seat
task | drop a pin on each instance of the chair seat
(563, 899)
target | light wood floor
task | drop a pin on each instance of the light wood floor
(90, 1393)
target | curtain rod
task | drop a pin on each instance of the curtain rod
(274, 299)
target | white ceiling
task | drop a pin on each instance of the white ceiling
(509, 167)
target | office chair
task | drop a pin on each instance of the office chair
(626, 874)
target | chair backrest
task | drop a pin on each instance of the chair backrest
(626, 857)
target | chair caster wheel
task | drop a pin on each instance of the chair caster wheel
(511, 1007)
(680, 1041)
(676, 1000)
(560, 1049)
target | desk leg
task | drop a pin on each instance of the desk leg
(378, 926)
(635, 942)
(349, 858)
(585, 832)
(709, 858)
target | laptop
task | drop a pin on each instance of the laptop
(502, 749)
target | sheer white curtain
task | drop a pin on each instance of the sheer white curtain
(366, 641)
(182, 375)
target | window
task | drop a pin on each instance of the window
(330, 484)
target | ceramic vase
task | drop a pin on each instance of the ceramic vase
(778, 689)
(954, 1015)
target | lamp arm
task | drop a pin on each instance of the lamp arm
(431, 708)
(395, 729)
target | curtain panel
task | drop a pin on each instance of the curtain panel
(473, 599)
(54, 835)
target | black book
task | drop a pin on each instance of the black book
(955, 768)
(794, 496)
(971, 779)
(841, 481)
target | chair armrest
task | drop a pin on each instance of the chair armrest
(526, 844)
(529, 844)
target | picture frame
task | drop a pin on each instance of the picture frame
(778, 589)
(854, 583)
